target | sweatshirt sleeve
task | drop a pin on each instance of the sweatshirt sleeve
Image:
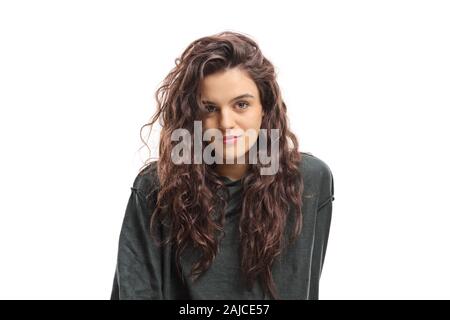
(321, 234)
(138, 268)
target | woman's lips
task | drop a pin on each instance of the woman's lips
(230, 140)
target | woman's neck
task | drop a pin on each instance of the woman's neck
(231, 171)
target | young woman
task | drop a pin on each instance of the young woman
(227, 229)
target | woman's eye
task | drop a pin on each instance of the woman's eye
(209, 108)
(245, 105)
(241, 105)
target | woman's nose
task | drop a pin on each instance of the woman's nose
(226, 120)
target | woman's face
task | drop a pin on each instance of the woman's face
(231, 104)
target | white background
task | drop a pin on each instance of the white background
(366, 84)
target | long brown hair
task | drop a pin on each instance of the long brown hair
(191, 194)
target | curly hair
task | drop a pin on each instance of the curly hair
(191, 195)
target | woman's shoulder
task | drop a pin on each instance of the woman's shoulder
(147, 179)
(317, 177)
(312, 164)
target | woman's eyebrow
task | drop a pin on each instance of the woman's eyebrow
(245, 95)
